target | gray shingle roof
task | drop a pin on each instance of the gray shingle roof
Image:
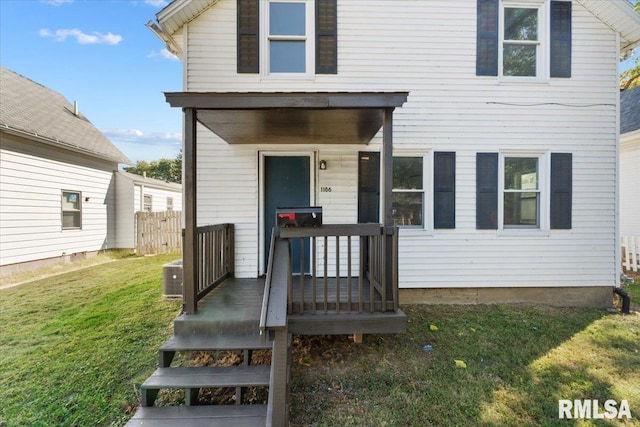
(37, 111)
(629, 110)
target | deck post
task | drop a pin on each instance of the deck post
(190, 248)
(278, 407)
(387, 187)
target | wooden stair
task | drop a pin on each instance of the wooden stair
(192, 379)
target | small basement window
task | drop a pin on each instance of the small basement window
(71, 210)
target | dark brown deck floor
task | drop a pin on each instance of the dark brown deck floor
(234, 309)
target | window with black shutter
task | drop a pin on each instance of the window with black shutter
(512, 40)
(285, 31)
(444, 190)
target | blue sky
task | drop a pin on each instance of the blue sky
(99, 53)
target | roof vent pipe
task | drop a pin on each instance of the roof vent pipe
(76, 112)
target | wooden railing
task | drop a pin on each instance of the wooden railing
(358, 273)
(273, 323)
(213, 262)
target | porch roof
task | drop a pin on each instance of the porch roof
(290, 117)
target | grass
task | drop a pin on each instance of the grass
(519, 362)
(63, 267)
(74, 346)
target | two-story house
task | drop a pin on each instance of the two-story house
(461, 152)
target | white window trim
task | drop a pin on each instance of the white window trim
(310, 42)
(544, 179)
(543, 51)
(427, 190)
(62, 210)
(313, 173)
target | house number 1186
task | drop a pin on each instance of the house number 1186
(325, 189)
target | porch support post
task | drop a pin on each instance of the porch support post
(387, 162)
(387, 187)
(190, 247)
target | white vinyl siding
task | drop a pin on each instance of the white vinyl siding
(630, 184)
(32, 179)
(423, 47)
(130, 200)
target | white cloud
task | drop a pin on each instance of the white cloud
(155, 3)
(81, 37)
(56, 2)
(163, 54)
(140, 137)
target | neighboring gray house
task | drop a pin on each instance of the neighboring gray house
(57, 186)
(135, 193)
(630, 163)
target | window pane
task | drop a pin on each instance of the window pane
(287, 57)
(521, 209)
(521, 173)
(70, 219)
(70, 201)
(287, 19)
(519, 60)
(407, 208)
(520, 24)
(407, 173)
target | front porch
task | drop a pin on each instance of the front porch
(349, 279)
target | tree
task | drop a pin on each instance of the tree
(169, 170)
(631, 77)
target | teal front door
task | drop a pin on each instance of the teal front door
(286, 184)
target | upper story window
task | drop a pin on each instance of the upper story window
(528, 40)
(287, 37)
(71, 210)
(521, 42)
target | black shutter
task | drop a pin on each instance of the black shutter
(560, 39)
(444, 190)
(561, 190)
(487, 191)
(248, 36)
(487, 38)
(326, 36)
(368, 187)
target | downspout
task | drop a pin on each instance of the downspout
(626, 300)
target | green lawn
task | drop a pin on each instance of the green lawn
(75, 348)
(519, 362)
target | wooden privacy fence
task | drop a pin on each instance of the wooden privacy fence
(631, 253)
(158, 232)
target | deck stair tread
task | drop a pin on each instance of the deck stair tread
(219, 342)
(209, 376)
(200, 416)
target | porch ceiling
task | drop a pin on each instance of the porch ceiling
(290, 118)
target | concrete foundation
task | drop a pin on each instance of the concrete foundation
(583, 296)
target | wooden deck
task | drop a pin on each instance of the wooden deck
(234, 307)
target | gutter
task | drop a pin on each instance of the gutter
(57, 143)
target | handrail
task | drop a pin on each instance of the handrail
(267, 287)
(213, 262)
